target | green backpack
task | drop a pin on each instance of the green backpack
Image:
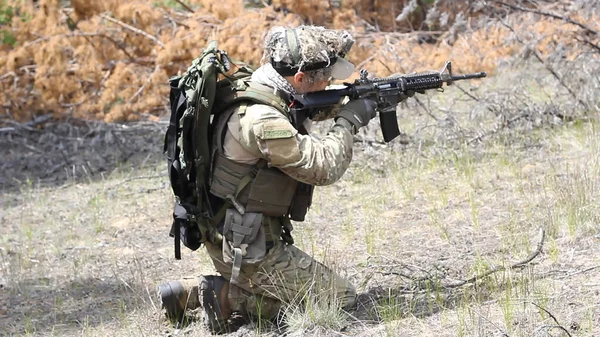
(209, 86)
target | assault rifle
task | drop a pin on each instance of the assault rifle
(387, 92)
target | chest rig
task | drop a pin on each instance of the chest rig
(256, 188)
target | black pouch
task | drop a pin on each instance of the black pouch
(183, 229)
(302, 201)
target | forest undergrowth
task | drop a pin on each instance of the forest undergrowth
(111, 60)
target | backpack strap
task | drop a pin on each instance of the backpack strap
(177, 179)
(187, 145)
(261, 94)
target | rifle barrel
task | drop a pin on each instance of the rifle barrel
(469, 76)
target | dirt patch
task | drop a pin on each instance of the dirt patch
(52, 153)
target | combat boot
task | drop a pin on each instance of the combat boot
(214, 291)
(178, 296)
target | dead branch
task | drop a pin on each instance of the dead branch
(497, 128)
(141, 89)
(184, 5)
(558, 325)
(8, 74)
(396, 35)
(476, 99)
(365, 61)
(589, 43)
(427, 110)
(30, 126)
(133, 29)
(537, 55)
(84, 35)
(518, 264)
(548, 14)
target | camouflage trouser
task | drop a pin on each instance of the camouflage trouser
(286, 277)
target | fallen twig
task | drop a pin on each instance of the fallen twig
(502, 331)
(558, 325)
(528, 259)
(580, 271)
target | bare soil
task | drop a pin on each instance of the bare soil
(51, 153)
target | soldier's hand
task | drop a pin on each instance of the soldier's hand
(358, 112)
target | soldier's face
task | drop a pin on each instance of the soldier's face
(302, 83)
(317, 86)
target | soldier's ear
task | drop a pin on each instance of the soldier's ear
(299, 78)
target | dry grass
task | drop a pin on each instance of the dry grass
(83, 258)
(479, 169)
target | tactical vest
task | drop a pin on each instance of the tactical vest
(256, 188)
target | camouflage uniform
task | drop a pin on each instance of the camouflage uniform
(286, 272)
(261, 177)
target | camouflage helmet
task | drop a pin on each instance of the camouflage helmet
(309, 48)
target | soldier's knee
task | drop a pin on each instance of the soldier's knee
(253, 305)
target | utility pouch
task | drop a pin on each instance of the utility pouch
(243, 240)
(302, 201)
(271, 193)
(183, 229)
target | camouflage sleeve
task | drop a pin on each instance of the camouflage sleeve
(302, 157)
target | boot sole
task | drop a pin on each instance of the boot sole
(169, 294)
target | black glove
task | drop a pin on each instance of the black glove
(358, 112)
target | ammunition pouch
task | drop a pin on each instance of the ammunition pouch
(230, 178)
